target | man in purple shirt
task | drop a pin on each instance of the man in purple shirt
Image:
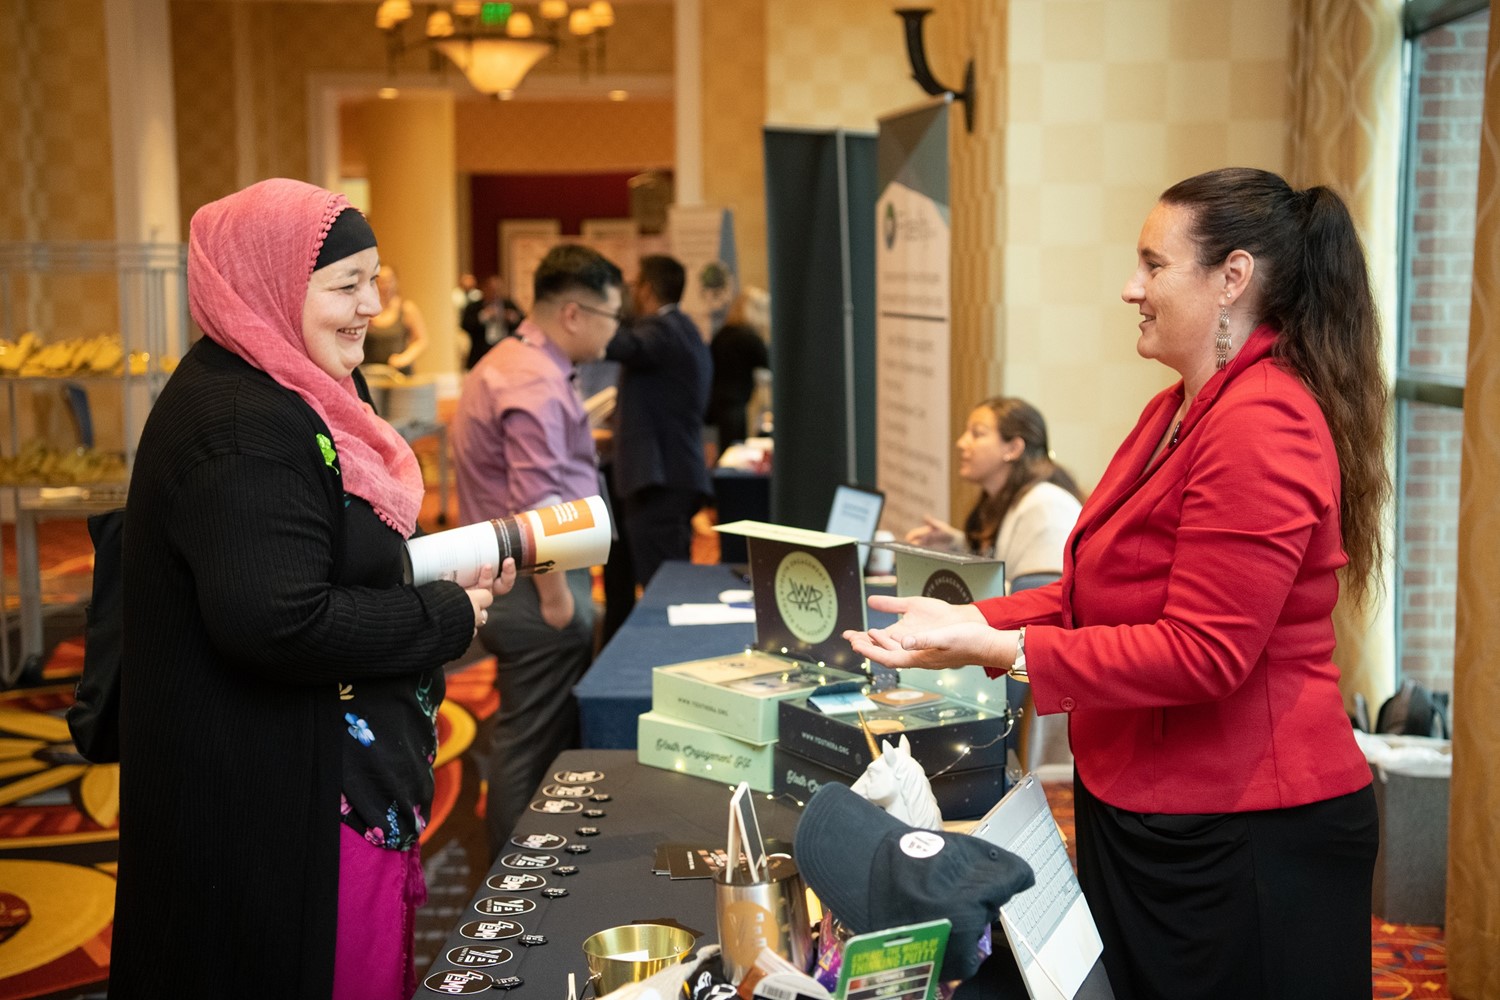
(521, 440)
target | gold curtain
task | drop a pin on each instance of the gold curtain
(1345, 133)
(1473, 918)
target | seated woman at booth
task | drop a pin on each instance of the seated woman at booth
(1028, 503)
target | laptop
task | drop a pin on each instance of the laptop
(856, 512)
(1049, 926)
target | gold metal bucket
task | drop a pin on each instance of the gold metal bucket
(633, 952)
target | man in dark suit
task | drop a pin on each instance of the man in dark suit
(665, 373)
(489, 318)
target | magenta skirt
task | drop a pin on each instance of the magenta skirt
(379, 893)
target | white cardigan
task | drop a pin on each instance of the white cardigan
(1035, 529)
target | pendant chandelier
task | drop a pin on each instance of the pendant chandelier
(497, 44)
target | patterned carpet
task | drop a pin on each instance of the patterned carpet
(58, 823)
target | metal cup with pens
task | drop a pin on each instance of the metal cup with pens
(761, 903)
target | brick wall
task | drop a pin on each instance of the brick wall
(1446, 106)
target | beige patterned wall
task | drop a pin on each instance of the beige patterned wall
(1105, 103)
(734, 111)
(833, 63)
(15, 135)
(56, 169)
(284, 43)
(1473, 918)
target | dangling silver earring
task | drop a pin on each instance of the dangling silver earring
(1221, 342)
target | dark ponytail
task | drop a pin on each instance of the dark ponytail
(1315, 290)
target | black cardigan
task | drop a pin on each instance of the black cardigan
(236, 633)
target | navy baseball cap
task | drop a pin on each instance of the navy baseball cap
(874, 872)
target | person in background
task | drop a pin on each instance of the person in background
(397, 336)
(489, 319)
(738, 349)
(521, 440)
(1028, 503)
(279, 683)
(1224, 813)
(466, 291)
(665, 373)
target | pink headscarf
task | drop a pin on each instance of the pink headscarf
(250, 256)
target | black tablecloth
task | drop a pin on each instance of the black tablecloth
(614, 884)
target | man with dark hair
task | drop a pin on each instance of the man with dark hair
(490, 318)
(658, 467)
(521, 440)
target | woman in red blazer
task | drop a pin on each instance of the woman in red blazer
(1226, 828)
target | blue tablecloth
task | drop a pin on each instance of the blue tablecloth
(617, 687)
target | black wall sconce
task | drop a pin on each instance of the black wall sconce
(916, 52)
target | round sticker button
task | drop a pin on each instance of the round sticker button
(523, 860)
(587, 831)
(567, 791)
(594, 813)
(519, 882)
(556, 806)
(601, 797)
(578, 777)
(459, 982)
(490, 930)
(578, 848)
(556, 893)
(540, 841)
(477, 955)
(505, 906)
(921, 844)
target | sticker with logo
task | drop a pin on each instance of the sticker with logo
(509, 983)
(805, 597)
(505, 906)
(459, 982)
(946, 585)
(601, 797)
(567, 870)
(567, 791)
(587, 831)
(515, 883)
(540, 841)
(474, 955)
(556, 807)
(578, 777)
(491, 930)
(595, 813)
(532, 940)
(578, 848)
(921, 844)
(523, 860)
(557, 892)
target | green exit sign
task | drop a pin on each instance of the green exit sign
(495, 13)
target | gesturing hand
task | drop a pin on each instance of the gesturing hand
(933, 635)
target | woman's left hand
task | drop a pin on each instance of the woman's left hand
(933, 635)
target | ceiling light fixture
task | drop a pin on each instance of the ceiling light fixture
(497, 44)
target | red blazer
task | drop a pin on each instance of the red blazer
(1190, 636)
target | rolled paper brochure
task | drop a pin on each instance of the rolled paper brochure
(561, 536)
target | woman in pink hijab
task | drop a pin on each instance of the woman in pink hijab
(280, 682)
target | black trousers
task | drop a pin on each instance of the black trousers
(1272, 904)
(659, 526)
(537, 667)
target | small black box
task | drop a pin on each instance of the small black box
(960, 794)
(939, 731)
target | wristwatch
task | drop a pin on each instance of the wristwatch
(1018, 669)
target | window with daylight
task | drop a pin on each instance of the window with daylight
(1446, 44)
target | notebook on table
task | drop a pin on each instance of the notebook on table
(1049, 926)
